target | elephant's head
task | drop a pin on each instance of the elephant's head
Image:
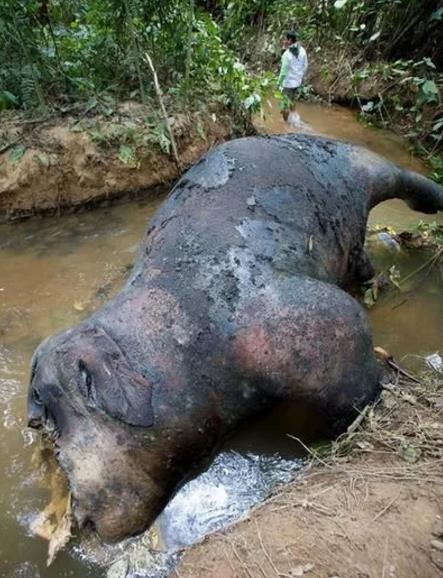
(97, 410)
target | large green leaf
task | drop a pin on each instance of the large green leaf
(127, 156)
(7, 99)
(428, 92)
(16, 153)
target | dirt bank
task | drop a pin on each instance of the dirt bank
(371, 508)
(388, 94)
(68, 162)
(337, 77)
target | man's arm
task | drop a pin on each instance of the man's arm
(305, 62)
(283, 69)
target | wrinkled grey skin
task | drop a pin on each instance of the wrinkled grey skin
(236, 301)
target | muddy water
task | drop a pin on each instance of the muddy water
(54, 272)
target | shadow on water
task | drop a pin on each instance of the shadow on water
(54, 272)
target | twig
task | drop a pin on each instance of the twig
(357, 96)
(228, 558)
(163, 109)
(384, 560)
(403, 372)
(430, 262)
(35, 120)
(243, 564)
(357, 421)
(306, 504)
(310, 452)
(390, 361)
(265, 552)
(385, 509)
(400, 304)
(8, 145)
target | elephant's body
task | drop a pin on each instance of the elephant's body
(236, 300)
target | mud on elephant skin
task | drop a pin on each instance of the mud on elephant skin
(237, 300)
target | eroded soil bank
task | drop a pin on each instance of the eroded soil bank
(59, 164)
(372, 507)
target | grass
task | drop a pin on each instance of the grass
(405, 423)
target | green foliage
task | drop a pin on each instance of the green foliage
(389, 278)
(433, 231)
(385, 28)
(7, 100)
(436, 163)
(428, 92)
(215, 70)
(397, 40)
(382, 28)
(127, 156)
(78, 50)
(133, 140)
(60, 53)
(16, 153)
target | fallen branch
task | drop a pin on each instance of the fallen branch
(390, 361)
(35, 120)
(357, 421)
(403, 372)
(158, 91)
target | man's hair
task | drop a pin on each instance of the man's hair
(292, 36)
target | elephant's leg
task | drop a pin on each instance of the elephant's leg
(308, 340)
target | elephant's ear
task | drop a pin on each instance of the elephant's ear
(109, 383)
(127, 395)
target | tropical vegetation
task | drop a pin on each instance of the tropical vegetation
(82, 54)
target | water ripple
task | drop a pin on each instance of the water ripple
(225, 493)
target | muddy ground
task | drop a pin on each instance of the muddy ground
(66, 162)
(372, 507)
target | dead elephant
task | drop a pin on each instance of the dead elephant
(237, 300)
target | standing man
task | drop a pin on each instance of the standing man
(294, 64)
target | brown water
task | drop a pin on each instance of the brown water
(55, 271)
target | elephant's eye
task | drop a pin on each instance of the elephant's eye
(36, 397)
(86, 380)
